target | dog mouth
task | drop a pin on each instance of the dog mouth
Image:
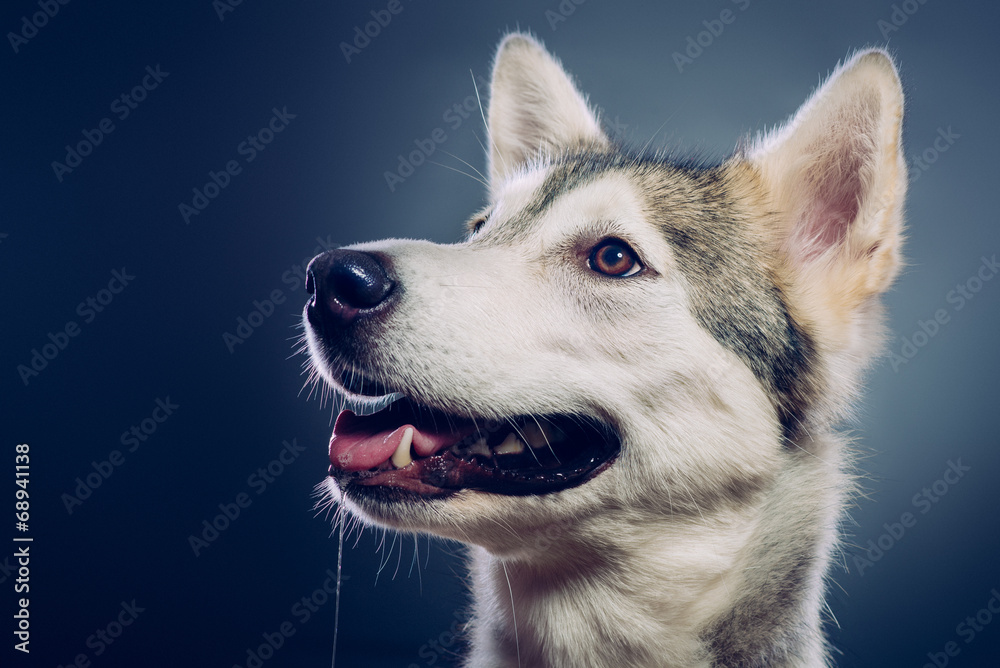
(406, 450)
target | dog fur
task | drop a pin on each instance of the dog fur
(724, 366)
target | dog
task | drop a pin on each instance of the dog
(622, 389)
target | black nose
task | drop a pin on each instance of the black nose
(345, 283)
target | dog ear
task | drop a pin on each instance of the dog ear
(836, 176)
(534, 107)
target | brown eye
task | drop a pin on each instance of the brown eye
(613, 257)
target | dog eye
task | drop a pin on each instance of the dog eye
(476, 226)
(614, 257)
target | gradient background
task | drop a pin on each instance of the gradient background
(323, 177)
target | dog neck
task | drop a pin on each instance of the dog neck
(734, 586)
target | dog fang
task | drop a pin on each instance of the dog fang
(511, 445)
(401, 458)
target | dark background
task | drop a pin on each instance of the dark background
(322, 179)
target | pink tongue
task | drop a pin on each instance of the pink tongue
(356, 446)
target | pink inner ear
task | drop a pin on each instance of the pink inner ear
(833, 199)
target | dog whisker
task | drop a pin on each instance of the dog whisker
(474, 178)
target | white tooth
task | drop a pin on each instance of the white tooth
(480, 447)
(402, 457)
(511, 445)
(537, 437)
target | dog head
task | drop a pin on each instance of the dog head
(619, 333)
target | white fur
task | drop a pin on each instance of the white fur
(632, 567)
